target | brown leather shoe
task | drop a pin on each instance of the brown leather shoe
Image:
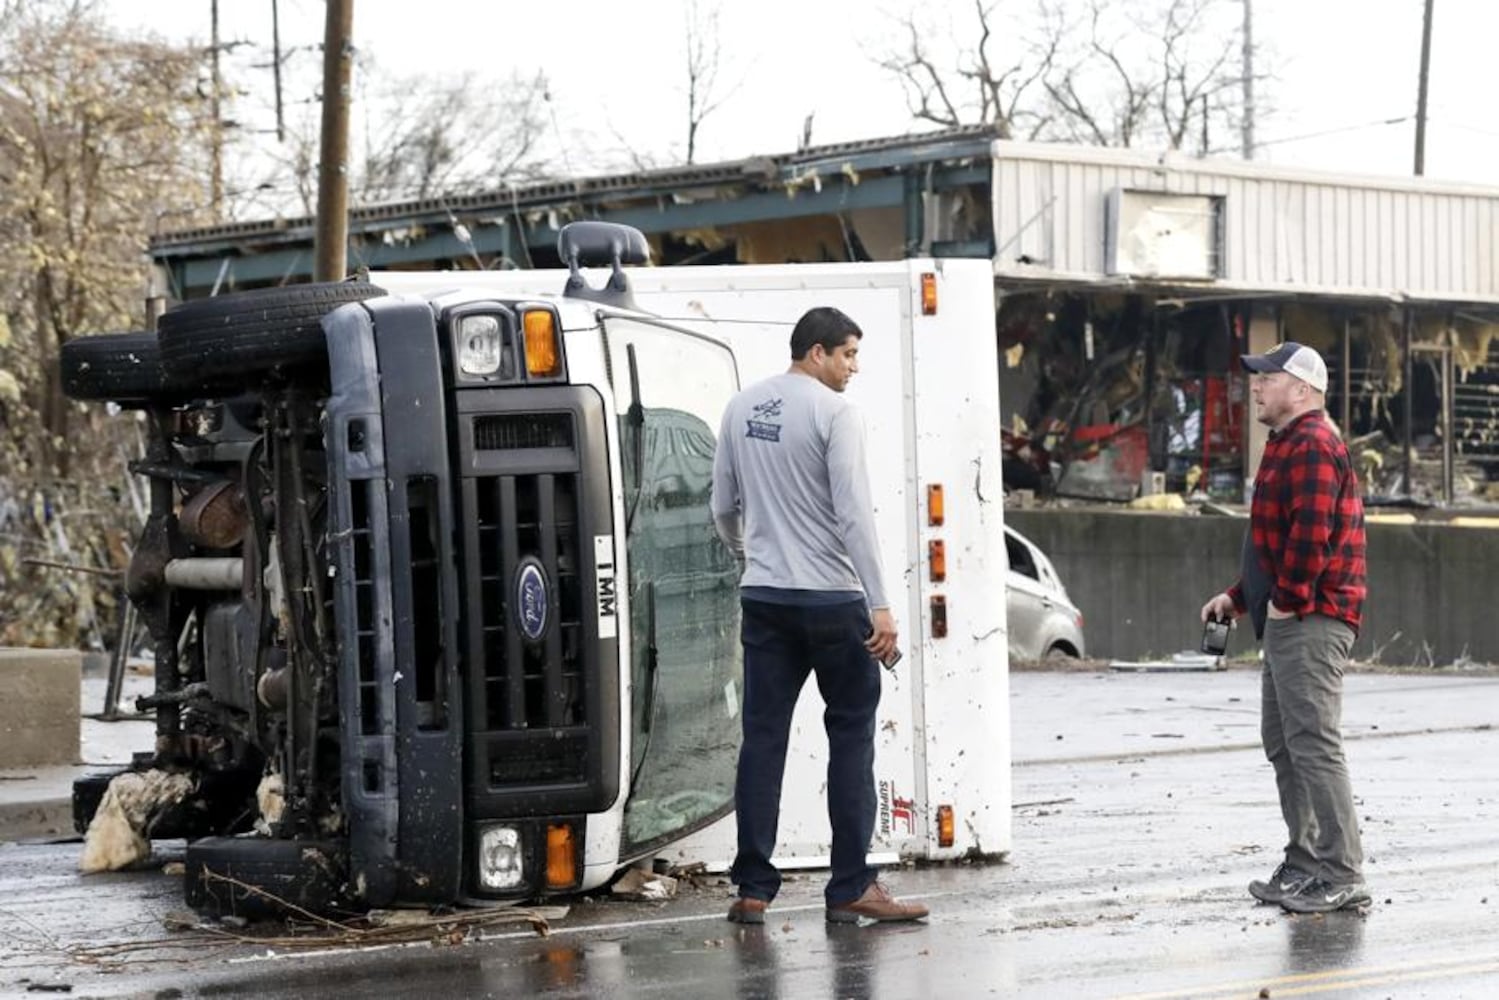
(748, 910)
(875, 904)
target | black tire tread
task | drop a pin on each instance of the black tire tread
(112, 366)
(306, 874)
(265, 329)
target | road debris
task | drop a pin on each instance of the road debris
(270, 796)
(639, 884)
(116, 835)
(307, 931)
(1178, 663)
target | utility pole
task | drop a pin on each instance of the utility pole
(1421, 90)
(332, 228)
(216, 172)
(1246, 134)
(276, 68)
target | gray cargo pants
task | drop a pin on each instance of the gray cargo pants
(1301, 717)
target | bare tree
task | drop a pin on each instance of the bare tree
(101, 136)
(990, 82)
(1109, 114)
(1083, 70)
(704, 53)
(417, 137)
(1195, 45)
(423, 137)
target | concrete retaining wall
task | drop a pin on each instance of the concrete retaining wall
(39, 693)
(1140, 580)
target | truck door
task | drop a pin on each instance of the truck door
(671, 388)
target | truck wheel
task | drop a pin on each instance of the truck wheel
(267, 329)
(263, 878)
(123, 367)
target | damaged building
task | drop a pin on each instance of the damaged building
(1127, 282)
(1130, 285)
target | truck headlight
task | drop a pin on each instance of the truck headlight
(501, 859)
(481, 344)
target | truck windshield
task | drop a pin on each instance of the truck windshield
(686, 679)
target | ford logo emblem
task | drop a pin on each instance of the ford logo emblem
(531, 599)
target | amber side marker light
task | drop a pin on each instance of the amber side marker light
(936, 559)
(934, 505)
(543, 352)
(939, 617)
(562, 858)
(928, 294)
(944, 826)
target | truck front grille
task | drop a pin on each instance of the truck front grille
(529, 705)
(542, 688)
(529, 683)
(508, 431)
(364, 605)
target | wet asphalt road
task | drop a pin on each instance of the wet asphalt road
(1143, 808)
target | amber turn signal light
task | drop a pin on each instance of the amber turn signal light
(934, 514)
(543, 351)
(936, 560)
(562, 856)
(928, 294)
(944, 826)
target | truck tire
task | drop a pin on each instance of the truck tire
(122, 367)
(264, 330)
(306, 874)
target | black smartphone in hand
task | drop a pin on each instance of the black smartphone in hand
(1215, 637)
(890, 661)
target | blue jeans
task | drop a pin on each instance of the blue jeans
(783, 643)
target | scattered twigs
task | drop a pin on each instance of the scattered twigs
(71, 567)
(311, 931)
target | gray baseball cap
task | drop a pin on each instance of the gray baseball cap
(1298, 359)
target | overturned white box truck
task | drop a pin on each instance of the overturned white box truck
(438, 610)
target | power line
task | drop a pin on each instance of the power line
(1261, 143)
(1466, 128)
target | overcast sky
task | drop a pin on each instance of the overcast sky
(616, 70)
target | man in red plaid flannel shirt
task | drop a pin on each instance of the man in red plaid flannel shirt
(1302, 585)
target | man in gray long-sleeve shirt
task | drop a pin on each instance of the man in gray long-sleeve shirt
(791, 497)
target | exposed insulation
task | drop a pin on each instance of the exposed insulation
(708, 238)
(1470, 348)
(1385, 337)
(811, 239)
(881, 230)
(116, 836)
(270, 796)
(1316, 327)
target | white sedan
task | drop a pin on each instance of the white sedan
(1043, 621)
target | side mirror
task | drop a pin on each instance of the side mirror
(596, 244)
